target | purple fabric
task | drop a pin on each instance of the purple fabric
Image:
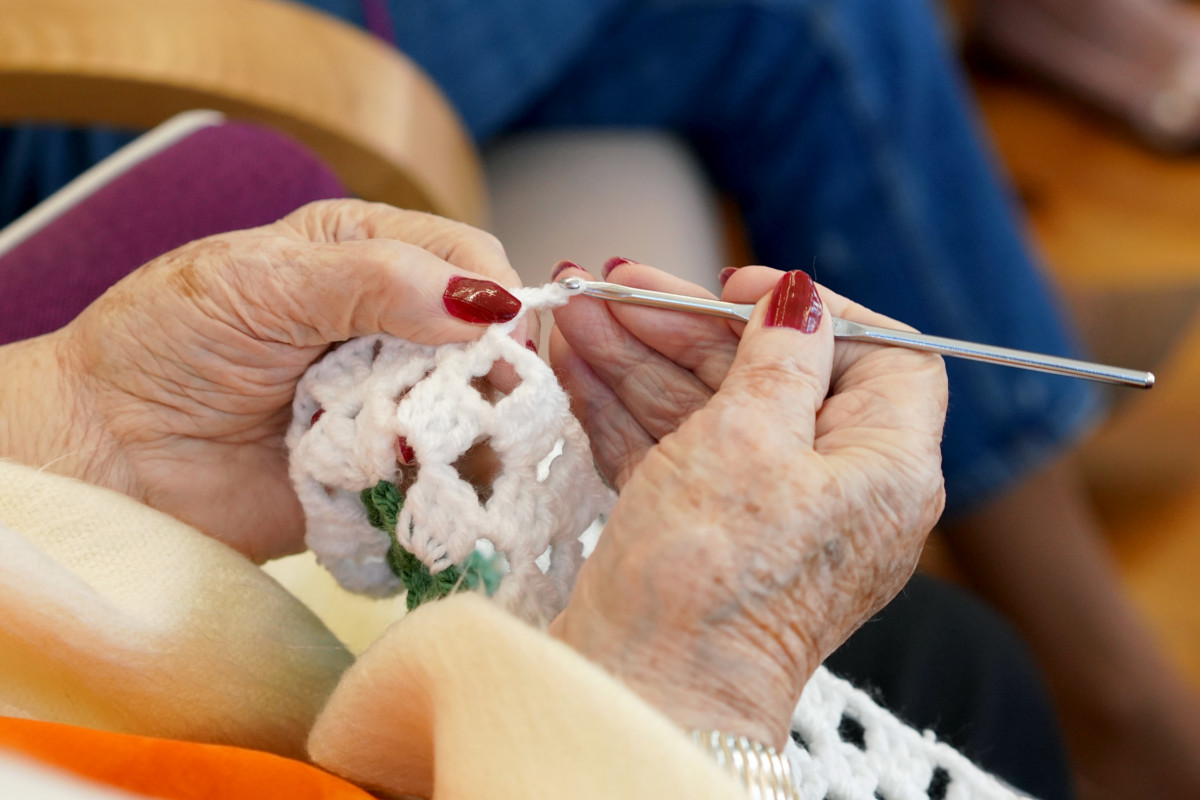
(218, 179)
(378, 19)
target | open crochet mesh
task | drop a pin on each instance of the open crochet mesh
(845, 746)
(348, 412)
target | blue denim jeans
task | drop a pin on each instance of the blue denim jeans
(842, 130)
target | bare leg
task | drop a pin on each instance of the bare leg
(1132, 724)
(1137, 59)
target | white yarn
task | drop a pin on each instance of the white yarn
(896, 762)
(376, 388)
(373, 389)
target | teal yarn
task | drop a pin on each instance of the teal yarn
(480, 571)
(383, 502)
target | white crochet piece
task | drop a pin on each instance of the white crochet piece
(546, 493)
(845, 746)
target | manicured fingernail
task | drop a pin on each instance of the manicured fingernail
(473, 300)
(562, 267)
(724, 275)
(795, 303)
(531, 344)
(316, 416)
(612, 264)
(404, 453)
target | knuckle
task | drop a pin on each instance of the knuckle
(486, 239)
(778, 381)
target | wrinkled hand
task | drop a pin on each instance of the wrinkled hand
(774, 492)
(184, 372)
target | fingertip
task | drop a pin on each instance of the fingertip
(795, 303)
(748, 284)
(561, 267)
(786, 353)
(416, 295)
(612, 264)
(566, 269)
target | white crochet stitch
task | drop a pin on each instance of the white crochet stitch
(545, 494)
(855, 750)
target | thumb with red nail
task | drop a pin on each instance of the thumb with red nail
(176, 385)
(753, 536)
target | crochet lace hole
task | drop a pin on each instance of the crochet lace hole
(406, 476)
(939, 784)
(852, 732)
(479, 466)
(405, 455)
(500, 382)
(543, 467)
(487, 390)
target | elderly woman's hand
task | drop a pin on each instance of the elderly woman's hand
(178, 381)
(760, 524)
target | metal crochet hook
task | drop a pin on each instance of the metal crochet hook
(858, 332)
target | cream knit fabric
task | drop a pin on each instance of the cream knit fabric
(119, 617)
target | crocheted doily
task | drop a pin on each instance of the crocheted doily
(383, 436)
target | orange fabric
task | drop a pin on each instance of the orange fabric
(167, 768)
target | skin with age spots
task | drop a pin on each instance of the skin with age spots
(768, 505)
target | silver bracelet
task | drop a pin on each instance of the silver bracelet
(762, 772)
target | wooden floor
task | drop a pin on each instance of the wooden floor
(1120, 228)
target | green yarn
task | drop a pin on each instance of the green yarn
(384, 502)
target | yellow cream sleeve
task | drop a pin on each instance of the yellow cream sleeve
(116, 616)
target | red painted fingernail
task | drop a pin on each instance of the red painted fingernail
(795, 303)
(724, 275)
(404, 453)
(531, 344)
(473, 300)
(612, 264)
(316, 416)
(561, 267)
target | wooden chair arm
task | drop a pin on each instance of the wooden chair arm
(375, 118)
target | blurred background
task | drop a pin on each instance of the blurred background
(1116, 217)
